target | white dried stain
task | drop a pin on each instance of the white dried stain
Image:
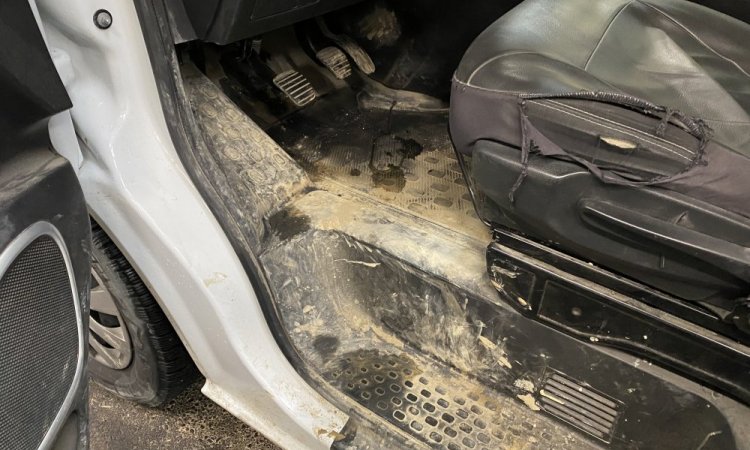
(487, 343)
(215, 278)
(526, 385)
(552, 397)
(529, 401)
(361, 263)
(498, 285)
(308, 309)
(395, 233)
(496, 351)
(387, 337)
(504, 361)
(620, 143)
(313, 327)
(706, 439)
(504, 272)
(335, 435)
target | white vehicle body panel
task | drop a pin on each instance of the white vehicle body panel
(138, 190)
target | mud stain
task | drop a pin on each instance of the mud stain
(326, 345)
(288, 223)
(388, 155)
(392, 180)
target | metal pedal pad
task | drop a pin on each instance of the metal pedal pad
(336, 61)
(296, 87)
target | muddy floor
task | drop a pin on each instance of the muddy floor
(191, 421)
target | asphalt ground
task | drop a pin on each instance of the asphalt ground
(191, 421)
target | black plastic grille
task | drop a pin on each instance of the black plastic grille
(38, 343)
(579, 405)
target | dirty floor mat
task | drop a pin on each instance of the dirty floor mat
(404, 159)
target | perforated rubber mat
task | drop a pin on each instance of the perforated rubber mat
(405, 159)
(444, 411)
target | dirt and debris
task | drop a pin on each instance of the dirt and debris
(525, 385)
(191, 421)
(529, 401)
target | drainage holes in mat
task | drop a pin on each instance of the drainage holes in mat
(466, 428)
(418, 402)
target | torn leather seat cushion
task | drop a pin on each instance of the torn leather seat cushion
(649, 95)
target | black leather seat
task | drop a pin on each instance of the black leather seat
(620, 131)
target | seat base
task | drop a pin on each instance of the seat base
(597, 306)
(563, 203)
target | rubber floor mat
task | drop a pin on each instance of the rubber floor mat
(405, 159)
(441, 408)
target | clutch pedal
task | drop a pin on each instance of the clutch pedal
(295, 87)
(350, 47)
(336, 61)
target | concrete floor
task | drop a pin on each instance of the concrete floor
(189, 422)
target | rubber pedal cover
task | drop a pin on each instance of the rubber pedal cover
(336, 61)
(350, 47)
(295, 87)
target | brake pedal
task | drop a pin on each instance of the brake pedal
(296, 87)
(348, 45)
(336, 61)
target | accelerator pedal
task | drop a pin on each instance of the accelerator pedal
(336, 61)
(350, 47)
(295, 87)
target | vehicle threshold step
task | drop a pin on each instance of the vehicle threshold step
(441, 407)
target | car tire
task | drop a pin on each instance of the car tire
(156, 367)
